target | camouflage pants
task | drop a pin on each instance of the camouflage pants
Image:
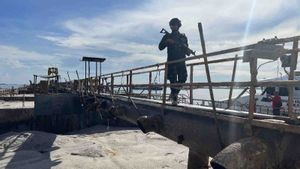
(177, 74)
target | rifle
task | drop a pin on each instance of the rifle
(180, 43)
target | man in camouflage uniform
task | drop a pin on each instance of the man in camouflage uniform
(177, 48)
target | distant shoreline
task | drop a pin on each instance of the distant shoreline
(8, 86)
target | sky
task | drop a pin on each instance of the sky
(35, 34)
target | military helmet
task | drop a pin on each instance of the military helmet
(175, 21)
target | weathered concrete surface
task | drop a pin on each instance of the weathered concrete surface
(98, 147)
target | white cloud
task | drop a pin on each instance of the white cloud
(135, 32)
(18, 66)
(216, 16)
(15, 57)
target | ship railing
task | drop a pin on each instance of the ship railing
(109, 82)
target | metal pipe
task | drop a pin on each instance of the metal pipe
(89, 75)
(225, 84)
(85, 81)
(165, 85)
(112, 85)
(231, 50)
(127, 83)
(209, 83)
(191, 82)
(100, 73)
(96, 79)
(130, 83)
(232, 80)
(150, 83)
(69, 76)
(189, 64)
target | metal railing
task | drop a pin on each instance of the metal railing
(108, 80)
(128, 86)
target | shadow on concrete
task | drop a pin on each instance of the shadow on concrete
(27, 150)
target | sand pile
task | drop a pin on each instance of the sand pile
(91, 148)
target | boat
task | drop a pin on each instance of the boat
(264, 98)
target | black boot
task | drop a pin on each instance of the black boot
(174, 100)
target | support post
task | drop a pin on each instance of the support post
(79, 82)
(85, 81)
(103, 87)
(89, 75)
(210, 85)
(232, 80)
(165, 85)
(77, 75)
(149, 87)
(253, 70)
(89, 69)
(130, 82)
(112, 84)
(191, 84)
(127, 83)
(96, 79)
(69, 76)
(100, 73)
(34, 83)
(293, 67)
